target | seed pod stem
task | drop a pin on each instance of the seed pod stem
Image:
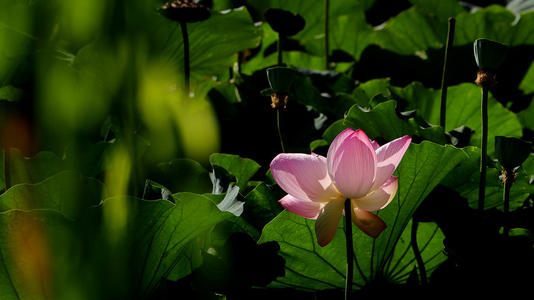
(448, 47)
(187, 72)
(508, 181)
(483, 149)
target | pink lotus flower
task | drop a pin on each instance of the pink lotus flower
(354, 168)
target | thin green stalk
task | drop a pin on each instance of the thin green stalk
(350, 250)
(279, 131)
(417, 253)
(483, 149)
(448, 47)
(326, 33)
(187, 71)
(280, 62)
(509, 178)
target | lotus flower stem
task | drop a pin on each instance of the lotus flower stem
(280, 62)
(326, 33)
(448, 47)
(350, 250)
(483, 149)
(187, 72)
(279, 131)
(508, 181)
(417, 253)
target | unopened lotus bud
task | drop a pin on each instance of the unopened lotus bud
(186, 11)
(284, 22)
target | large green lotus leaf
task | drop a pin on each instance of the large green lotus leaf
(309, 266)
(213, 43)
(66, 192)
(527, 84)
(261, 205)
(430, 243)
(411, 32)
(424, 26)
(383, 121)
(495, 23)
(163, 230)
(463, 108)
(31, 169)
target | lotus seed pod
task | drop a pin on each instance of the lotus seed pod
(284, 22)
(186, 11)
(511, 152)
(489, 55)
(281, 79)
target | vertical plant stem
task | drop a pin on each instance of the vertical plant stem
(350, 250)
(326, 33)
(448, 47)
(417, 253)
(483, 149)
(187, 71)
(279, 130)
(280, 62)
(509, 175)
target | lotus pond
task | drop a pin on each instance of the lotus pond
(264, 149)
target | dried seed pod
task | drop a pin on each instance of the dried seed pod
(284, 22)
(186, 11)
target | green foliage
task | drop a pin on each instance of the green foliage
(93, 118)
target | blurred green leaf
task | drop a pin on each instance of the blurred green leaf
(15, 37)
(26, 249)
(311, 267)
(31, 169)
(10, 93)
(67, 192)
